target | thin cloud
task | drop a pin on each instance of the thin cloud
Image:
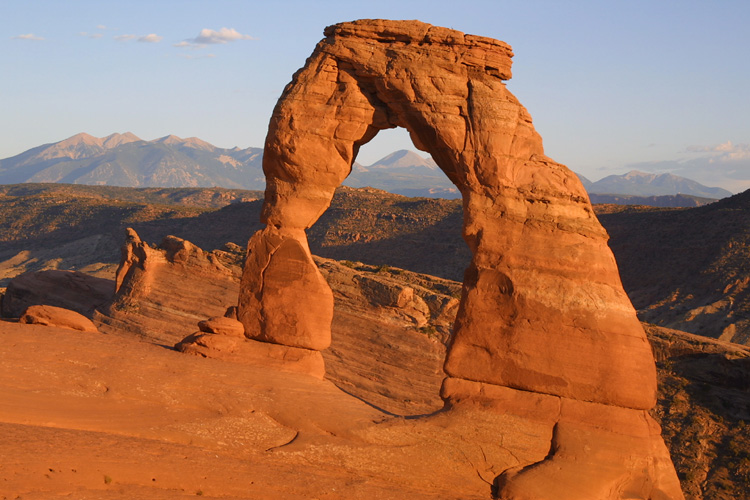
(28, 36)
(90, 35)
(202, 56)
(213, 37)
(150, 38)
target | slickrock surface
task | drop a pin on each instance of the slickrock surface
(543, 312)
(57, 316)
(106, 416)
(92, 406)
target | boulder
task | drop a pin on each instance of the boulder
(58, 317)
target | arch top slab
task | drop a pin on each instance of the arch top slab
(369, 75)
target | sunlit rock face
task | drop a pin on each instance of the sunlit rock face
(543, 322)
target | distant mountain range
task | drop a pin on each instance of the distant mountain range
(637, 183)
(125, 160)
(128, 161)
(404, 172)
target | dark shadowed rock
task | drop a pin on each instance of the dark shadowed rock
(67, 289)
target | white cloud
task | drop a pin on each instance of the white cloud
(90, 35)
(726, 151)
(101, 27)
(125, 38)
(150, 38)
(28, 36)
(212, 37)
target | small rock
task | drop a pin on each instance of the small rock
(231, 312)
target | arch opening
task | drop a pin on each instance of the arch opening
(391, 326)
(391, 162)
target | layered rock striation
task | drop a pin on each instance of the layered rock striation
(544, 329)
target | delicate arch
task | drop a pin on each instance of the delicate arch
(543, 310)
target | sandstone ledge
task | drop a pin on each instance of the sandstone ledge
(253, 352)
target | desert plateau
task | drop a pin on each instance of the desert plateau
(309, 339)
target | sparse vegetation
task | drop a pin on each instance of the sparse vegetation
(383, 269)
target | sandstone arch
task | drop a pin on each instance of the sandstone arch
(544, 322)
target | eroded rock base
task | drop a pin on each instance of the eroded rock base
(596, 451)
(253, 352)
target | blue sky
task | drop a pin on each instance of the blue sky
(612, 85)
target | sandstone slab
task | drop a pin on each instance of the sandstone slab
(57, 316)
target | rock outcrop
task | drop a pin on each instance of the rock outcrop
(163, 291)
(543, 320)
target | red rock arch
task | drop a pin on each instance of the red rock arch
(543, 311)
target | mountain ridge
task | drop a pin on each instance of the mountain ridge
(128, 161)
(639, 183)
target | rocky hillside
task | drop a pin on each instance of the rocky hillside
(85, 221)
(682, 268)
(687, 268)
(704, 409)
(664, 201)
